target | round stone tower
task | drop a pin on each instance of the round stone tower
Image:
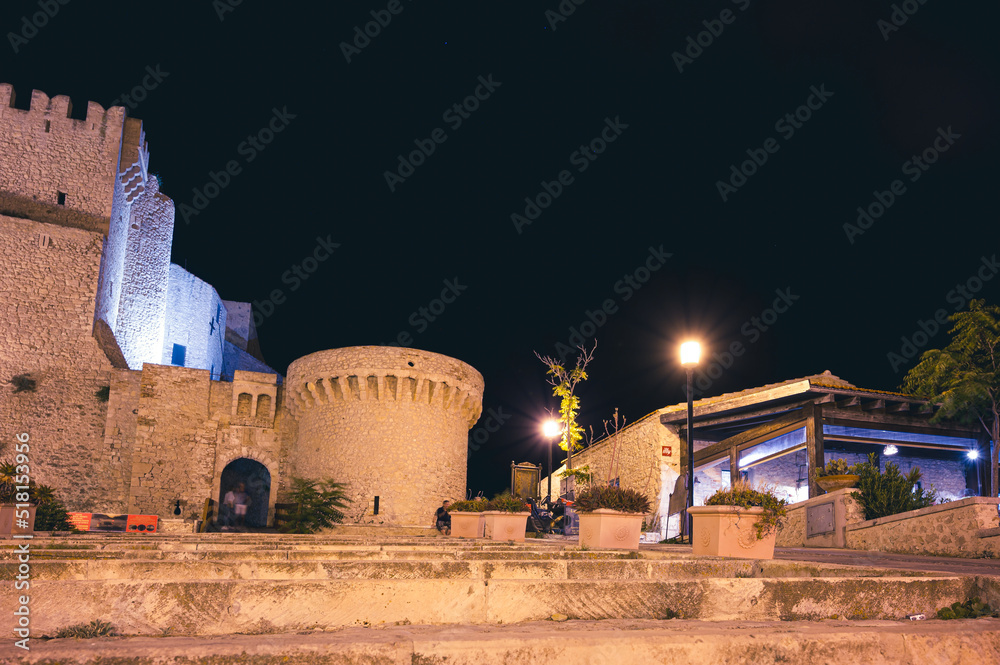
(390, 422)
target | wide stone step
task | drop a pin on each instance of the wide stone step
(219, 607)
(679, 642)
(322, 569)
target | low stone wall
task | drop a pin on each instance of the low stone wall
(830, 514)
(966, 528)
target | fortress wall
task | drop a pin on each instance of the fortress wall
(145, 278)
(175, 442)
(45, 152)
(196, 320)
(390, 422)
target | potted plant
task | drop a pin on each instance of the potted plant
(836, 475)
(611, 517)
(738, 522)
(467, 518)
(506, 517)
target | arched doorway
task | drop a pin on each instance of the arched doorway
(257, 480)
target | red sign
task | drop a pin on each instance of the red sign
(141, 524)
(667, 451)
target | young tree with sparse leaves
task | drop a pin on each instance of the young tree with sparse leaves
(964, 377)
(564, 383)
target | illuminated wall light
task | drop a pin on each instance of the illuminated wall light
(890, 450)
(973, 454)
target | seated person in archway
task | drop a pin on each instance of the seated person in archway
(442, 520)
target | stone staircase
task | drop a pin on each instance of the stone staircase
(211, 593)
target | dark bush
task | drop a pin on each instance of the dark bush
(612, 498)
(890, 493)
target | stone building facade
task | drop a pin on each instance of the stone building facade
(141, 389)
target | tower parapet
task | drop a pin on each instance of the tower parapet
(391, 422)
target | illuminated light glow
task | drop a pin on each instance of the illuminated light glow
(552, 428)
(973, 454)
(690, 353)
(890, 450)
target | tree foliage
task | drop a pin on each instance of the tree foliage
(963, 378)
(564, 383)
(318, 504)
(890, 493)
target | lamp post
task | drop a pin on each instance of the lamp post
(690, 354)
(551, 429)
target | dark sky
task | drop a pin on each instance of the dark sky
(886, 94)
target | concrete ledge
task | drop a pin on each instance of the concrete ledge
(220, 607)
(929, 510)
(546, 643)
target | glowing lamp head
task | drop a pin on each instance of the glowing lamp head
(690, 354)
(551, 428)
(973, 454)
(890, 450)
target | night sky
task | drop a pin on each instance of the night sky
(735, 139)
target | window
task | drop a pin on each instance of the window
(61, 198)
(178, 355)
(48, 126)
(243, 403)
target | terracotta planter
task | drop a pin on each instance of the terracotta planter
(834, 483)
(610, 529)
(730, 531)
(8, 519)
(506, 526)
(467, 525)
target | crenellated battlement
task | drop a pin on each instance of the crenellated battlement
(57, 111)
(387, 375)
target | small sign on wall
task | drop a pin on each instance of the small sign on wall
(667, 451)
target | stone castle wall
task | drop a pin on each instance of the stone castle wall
(196, 320)
(45, 152)
(46, 320)
(390, 422)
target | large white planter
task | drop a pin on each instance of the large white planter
(506, 526)
(610, 529)
(467, 525)
(730, 531)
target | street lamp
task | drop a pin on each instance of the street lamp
(690, 354)
(551, 429)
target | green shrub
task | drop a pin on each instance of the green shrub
(890, 493)
(742, 494)
(506, 503)
(318, 505)
(613, 498)
(23, 383)
(970, 609)
(50, 512)
(838, 467)
(95, 628)
(470, 506)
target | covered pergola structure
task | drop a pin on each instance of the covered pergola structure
(779, 434)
